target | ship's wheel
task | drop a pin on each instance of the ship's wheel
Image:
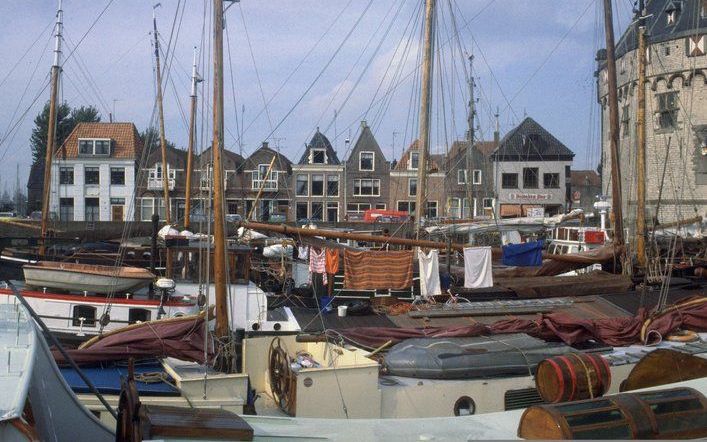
(128, 425)
(282, 379)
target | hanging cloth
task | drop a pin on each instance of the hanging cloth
(303, 253)
(523, 255)
(477, 267)
(429, 273)
(317, 264)
(368, 270)
(332, 261)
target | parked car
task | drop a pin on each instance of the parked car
(37, 215)
(8, 215)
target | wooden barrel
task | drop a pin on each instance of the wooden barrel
(678, 413)
(572, 377)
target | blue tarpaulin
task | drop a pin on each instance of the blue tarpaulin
(523, 255)
(107, 379)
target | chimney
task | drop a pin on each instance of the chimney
(364, 124)
(497, 132)
(265, 144)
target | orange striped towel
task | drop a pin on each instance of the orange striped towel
(368, 270)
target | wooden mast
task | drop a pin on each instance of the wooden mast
(51, 131)
(222, 328)
(613, 126)
(163, 142)
(425, 105)
(469, 178)
(641, 143)
(192, 136)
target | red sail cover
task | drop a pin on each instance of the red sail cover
(182, 339)
(690, 313)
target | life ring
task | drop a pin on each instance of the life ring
(683, 336)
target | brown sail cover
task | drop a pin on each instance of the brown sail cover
(689, 313)
(367, 270)
(177, 338)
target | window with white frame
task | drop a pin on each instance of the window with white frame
(66, 209)
(302, 185)
(317, 156)
(380, 206)
(412, 186)
(66, 175)
(431, 211)
(94, 147)
(358, 207)
(302, 211)
(317, 185)
(366, 161)
(261, 177)
(156, 173)
(454, 207)
(461, 176)
(332, 186)
(367, 187)
(488, 203)
(317, 211)
(476, 178)
(91, 175)
(406, 206)
(149, 206)
(414, 162)
(332, 212)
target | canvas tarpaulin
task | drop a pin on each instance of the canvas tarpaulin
(523, 255)
(690, 313)
(368, 270)
(181, 338)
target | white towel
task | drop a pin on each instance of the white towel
(477, 267)
(303, 253)
(429, 273)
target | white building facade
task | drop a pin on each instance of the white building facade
(93, 173)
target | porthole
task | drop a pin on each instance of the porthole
(464, 406)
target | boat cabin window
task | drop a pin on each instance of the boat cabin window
(84, 313)
(138, 315)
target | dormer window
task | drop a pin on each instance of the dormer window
(94, 147)
(672, 12)
(317, 156)
(414, 161)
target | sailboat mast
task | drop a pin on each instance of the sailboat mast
(163, 142)
(219, 227)
(425, 107)
(469, 177)
(51, 129)
(190, 149)
(641, 143)
(613, 125)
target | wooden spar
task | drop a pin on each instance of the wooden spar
(222, 327)
(425, 107)
(336, 234)
(163, 142)
(262, 186)
(469, 174)
(683, 222)
(51, 132)
(616, 201)
(641, 145)
(190, 150)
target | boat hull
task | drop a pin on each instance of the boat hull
(77, 280)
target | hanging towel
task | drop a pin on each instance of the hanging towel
(477, 267)
(303, 253)
(429, 273)
(523, 255)
(367, 270)
(317, 264)
(332, 261)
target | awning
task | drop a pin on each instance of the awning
(509, 210)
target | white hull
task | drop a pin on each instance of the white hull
(80, 282)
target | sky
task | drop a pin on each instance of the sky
(294, 66)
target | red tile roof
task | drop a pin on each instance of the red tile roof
(125, 144)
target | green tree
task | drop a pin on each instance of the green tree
(67, 119)
(150, 138)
